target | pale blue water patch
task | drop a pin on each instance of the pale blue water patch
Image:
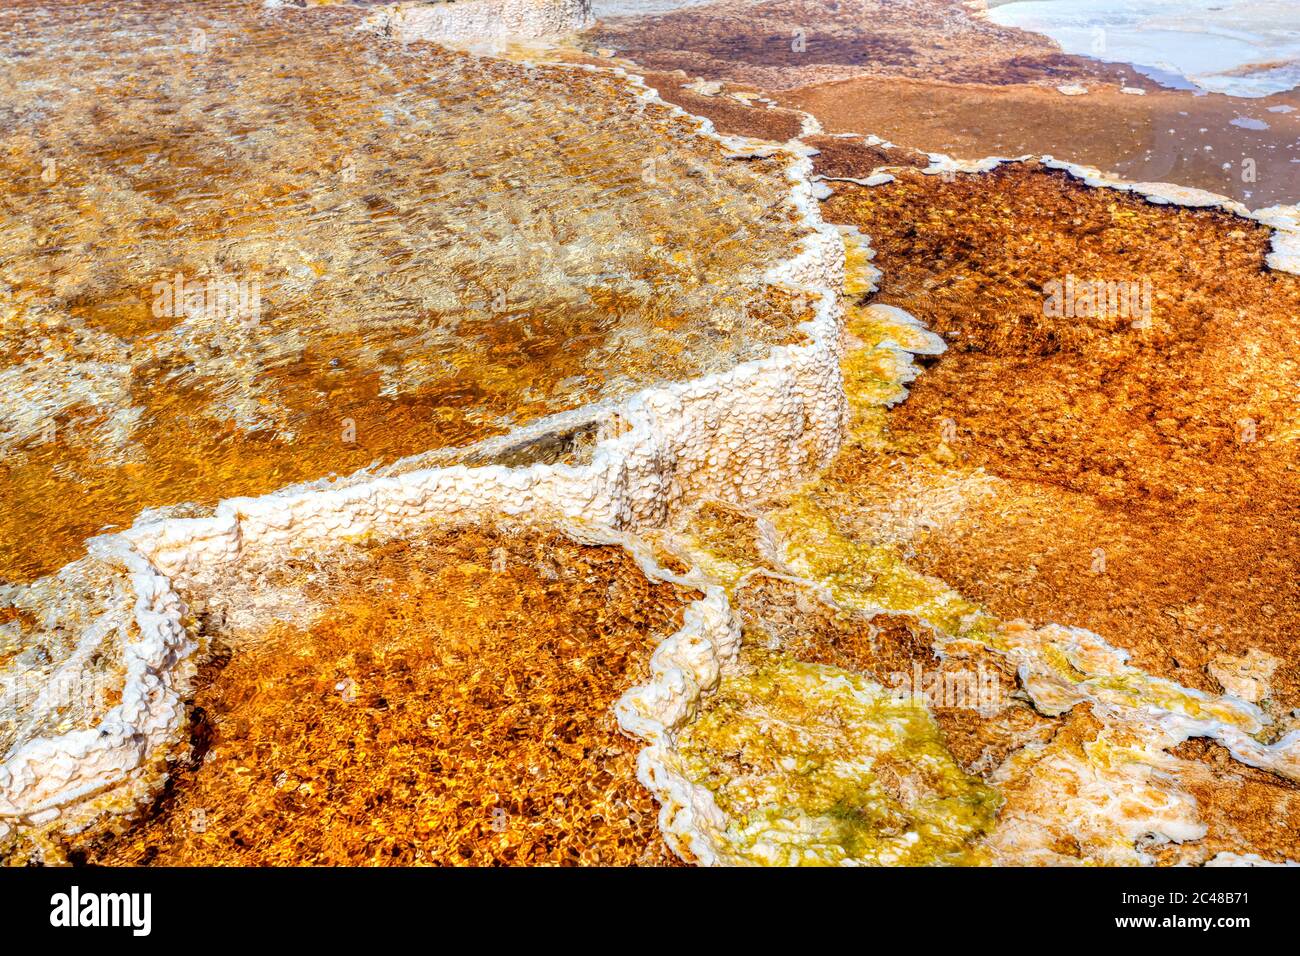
(1173, 81)
(1239, 47)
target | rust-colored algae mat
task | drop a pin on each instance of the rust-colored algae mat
(1146, 465)
(446, 700)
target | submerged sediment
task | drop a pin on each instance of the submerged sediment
(442, 698)
(287, 249)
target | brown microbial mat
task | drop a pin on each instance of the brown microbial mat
(442, 700)
(782, 44)
(249, 247)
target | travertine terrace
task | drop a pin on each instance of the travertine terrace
(582, 238)
(584, 486)
(407, 269)
(939, 76)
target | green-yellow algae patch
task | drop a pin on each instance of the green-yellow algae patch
(872, 376)
(877, 366)
(872, 327)
(814, 765)
(868, 577)
(722, 542)
(860, 276)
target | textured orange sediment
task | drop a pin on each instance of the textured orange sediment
(449, 703)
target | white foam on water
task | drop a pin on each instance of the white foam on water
(1247, 48)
